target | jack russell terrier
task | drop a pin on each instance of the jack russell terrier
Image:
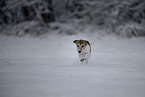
(84, 50)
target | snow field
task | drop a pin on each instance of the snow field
(49, 67)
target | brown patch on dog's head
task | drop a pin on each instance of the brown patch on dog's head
(85, 42)
(75, 41)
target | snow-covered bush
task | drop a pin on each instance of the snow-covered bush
(123, 17)
(16, 11)
(19, 17)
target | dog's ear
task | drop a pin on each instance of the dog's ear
(87, 42)
(75, 41)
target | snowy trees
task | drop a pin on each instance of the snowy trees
(122, 17)
(16, 11)
(19, 17)
(125, 17)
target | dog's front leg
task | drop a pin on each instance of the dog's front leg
(82, 61)
(86, 61)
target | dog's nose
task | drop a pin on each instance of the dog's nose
(79, 51)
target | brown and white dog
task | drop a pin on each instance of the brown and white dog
(84, 50)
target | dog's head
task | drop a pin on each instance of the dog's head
(81, 44)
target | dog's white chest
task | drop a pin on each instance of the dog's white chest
(86, 53)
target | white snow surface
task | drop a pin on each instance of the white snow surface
(49, 67)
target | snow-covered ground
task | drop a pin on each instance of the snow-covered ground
(49, 67)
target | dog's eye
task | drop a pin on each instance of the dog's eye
(82, 45)
(77, 45)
